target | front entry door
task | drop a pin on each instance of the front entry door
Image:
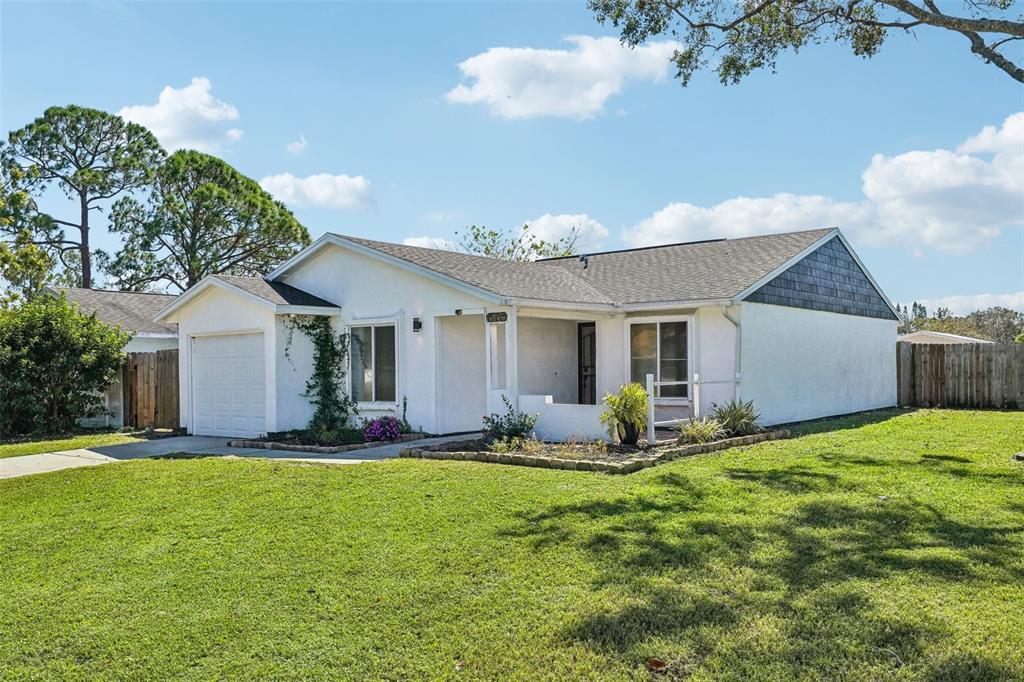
(587, 354)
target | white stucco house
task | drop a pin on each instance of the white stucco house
(791, 321)
(133, 312)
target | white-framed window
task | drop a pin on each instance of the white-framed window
(661, 347)
(373, 359)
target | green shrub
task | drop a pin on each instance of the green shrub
(626, 414)
(512, 424)
(738, 418)
(696, 431)
(327, 437)
(528, 446)
(55, 363)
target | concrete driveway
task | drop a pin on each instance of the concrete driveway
(12, 467)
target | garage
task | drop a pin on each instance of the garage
(229, 385)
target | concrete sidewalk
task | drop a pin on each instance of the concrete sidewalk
(12, 467)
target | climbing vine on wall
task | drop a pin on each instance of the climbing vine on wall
(325, 388)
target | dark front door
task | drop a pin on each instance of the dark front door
(587, 334)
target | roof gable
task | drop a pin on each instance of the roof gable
(280, 297)
(829, 279)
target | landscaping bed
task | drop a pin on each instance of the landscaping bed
(297, 441)
(590, 456)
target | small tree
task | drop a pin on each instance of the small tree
(54, 363)
(515, 246)
(202, 218)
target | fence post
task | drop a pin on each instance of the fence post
(650, 409)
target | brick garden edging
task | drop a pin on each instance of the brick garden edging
(322, 449)
(642, 461)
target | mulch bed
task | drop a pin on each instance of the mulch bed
(295, 446)
(582, 456)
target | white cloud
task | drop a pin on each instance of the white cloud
(961, 305)
(554, 227)
(991, 139)
(298, 146)
(430, 242)
(187, 118)
(953, 201)
(321, 190)
(745, 216)
(526, 82)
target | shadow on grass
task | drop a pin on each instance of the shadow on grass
(694, 565)
(794, 479)
(850, 421)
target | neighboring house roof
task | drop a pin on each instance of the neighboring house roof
(277, 293)
(131, 311)
(928, 336)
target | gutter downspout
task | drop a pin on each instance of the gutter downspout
(739, 349)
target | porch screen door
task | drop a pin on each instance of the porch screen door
(587, 334)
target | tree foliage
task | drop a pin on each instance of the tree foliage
(202, 217)
(93, 156)
(55, 362)
(737, 38)
(25, 269)
(997, 323)
(523, 245)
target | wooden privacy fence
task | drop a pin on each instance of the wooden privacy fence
(960, 375)
(149, 383)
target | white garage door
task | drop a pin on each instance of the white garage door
(228, 389)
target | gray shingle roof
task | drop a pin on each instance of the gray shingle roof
(505, 278)
(677, 272)
(277, 293)
(131, 311)
(688, 272)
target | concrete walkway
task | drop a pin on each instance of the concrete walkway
(11, 467)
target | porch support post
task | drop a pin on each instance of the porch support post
(650, 410)
(512, 356)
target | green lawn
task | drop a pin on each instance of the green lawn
(871, 548)
(85, 440)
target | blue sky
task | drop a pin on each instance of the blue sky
(893, 150)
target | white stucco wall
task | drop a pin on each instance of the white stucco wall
(150, 344)
(715, 348)
(293, 368)
(803, 364)
(220, 312)
(548, 364)
(558, 421)
(367, 289)
(461, 380)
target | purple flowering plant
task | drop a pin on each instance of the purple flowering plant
(382, 428)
